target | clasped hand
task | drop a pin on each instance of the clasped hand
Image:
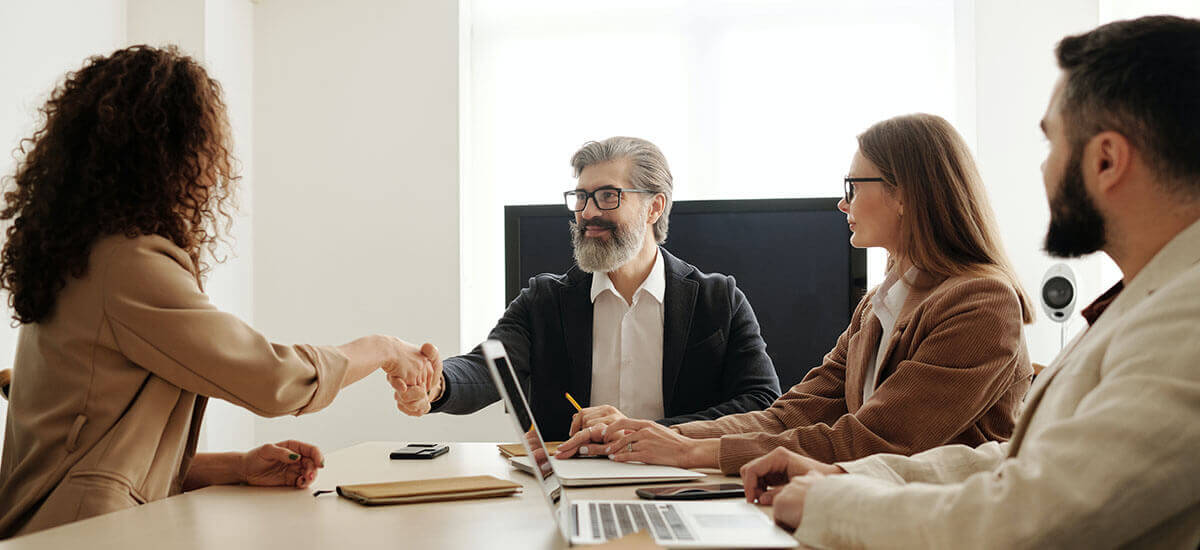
(416, 378)
(633, 440)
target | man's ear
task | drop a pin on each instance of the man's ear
(657, 207)
(1108, 160)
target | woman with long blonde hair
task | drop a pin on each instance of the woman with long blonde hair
(934, 355)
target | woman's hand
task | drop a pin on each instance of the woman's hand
(284, 464)
(765, 476)
(592, 416)
(585, 442)
(632, 440)
(399, 359)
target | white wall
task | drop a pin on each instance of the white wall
(215, 32)
(61, 45)
(1013, 81)
(228, 33)
(356, 225)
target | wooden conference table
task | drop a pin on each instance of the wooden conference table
(230, 517)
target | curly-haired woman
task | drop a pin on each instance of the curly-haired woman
(117, 201)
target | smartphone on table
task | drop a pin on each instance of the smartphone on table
(692, 492)
(420, 451)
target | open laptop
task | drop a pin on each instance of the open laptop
(726, 524)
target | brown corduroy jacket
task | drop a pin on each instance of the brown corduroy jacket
(955, 371)
(108, 393)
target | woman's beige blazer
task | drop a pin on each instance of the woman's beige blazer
(108, 393)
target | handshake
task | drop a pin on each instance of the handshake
(416, 378)
(415, 374)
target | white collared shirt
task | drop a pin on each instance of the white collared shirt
(627, 344)
(886, 304)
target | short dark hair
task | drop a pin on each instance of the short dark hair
(1140, 78)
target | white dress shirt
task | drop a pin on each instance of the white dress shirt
(886, 304)
(627, 343)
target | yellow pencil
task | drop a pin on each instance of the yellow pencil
(573, 402)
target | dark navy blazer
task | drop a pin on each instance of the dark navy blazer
(714, 360)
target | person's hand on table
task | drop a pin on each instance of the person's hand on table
(652, 443)
(415, 394)
(585, 442)
(284, 464)
(789, 501)
(767, 475)
(633, 440)
(593, 416)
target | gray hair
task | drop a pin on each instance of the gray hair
(647, 168)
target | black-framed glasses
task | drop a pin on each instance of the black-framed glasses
(605, 199)
(851, 182)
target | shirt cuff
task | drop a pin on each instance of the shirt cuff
(840, 511)
(871, 467)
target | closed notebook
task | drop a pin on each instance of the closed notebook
(510, 450)
(428, 490)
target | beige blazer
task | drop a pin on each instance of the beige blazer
(954, 371)
(108, 393)
(1106, 453)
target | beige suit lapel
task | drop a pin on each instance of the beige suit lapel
(1179, 254)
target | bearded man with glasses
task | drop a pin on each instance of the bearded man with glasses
(630, 329)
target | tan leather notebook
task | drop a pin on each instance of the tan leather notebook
(428, 490)
(510, 450)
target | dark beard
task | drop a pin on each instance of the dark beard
(1076, 226)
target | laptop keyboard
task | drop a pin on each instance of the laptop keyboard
(613, 520)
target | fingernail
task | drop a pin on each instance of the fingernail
(611, 457)
(322, 463)
(607, 450)
(583, 450)
(293, 456)
(603, 431)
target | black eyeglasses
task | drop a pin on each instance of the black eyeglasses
(605, 199)
(851, 182)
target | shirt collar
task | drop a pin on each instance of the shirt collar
(655, 284)
(1179, 254)
(1096, 308)
(888, 300)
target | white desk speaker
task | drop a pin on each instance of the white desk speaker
(1058, 296)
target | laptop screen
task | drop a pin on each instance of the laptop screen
(514, 398)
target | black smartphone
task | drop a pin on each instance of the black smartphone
(692, 492)
(420, 450)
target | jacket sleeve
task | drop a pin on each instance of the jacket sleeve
(749, 382)
(969, 352)
(468, 384)
(162, 321)
(945, 464)
(820, 396)
(1122, 463)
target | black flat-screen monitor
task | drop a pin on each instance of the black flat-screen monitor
(791, 257)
